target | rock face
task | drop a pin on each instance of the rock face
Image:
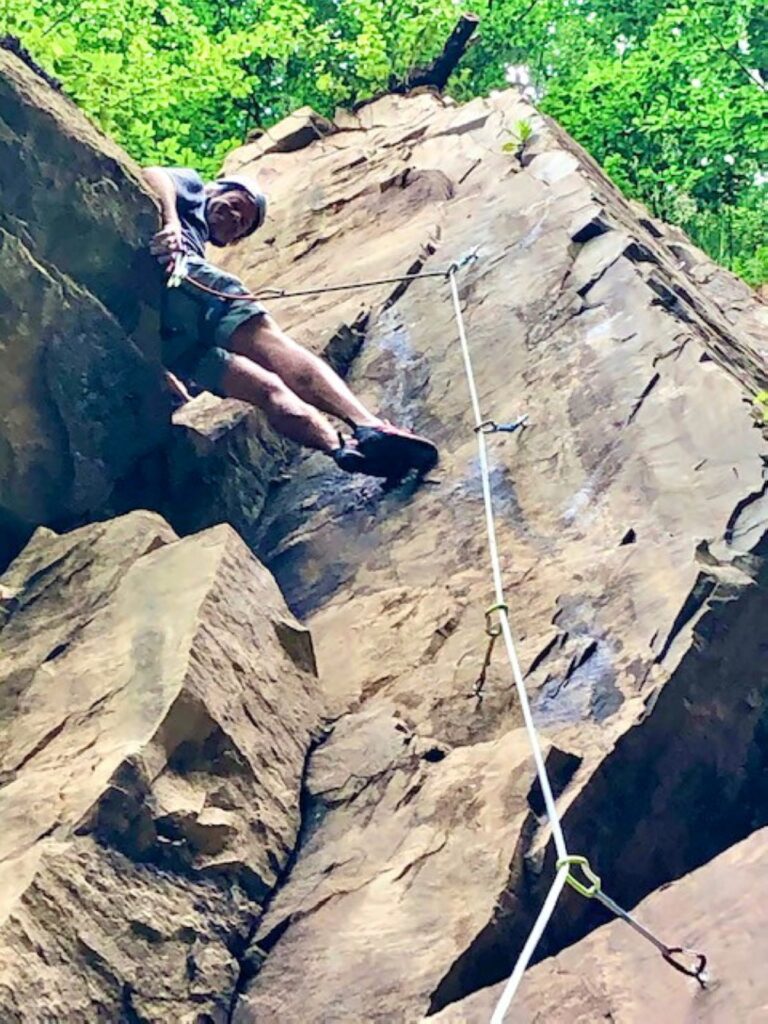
(219, 466)
(734, 298)
(615, 977)
(157, 702)
(632, 522)
(80, 389)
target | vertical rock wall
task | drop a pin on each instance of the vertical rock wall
(156, 704)
(80, 390)
(631, 515)
(171, 850)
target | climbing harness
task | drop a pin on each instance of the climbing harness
(688, 962)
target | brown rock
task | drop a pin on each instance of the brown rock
(296, 131)
(614, 975)
(632, 523)
(76, 200)
(150, 808)
(81, 404)
(404, 819)
(81, 388)
(733, 297)
(222, 459)
(157, 704)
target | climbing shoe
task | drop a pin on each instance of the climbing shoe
(348, 458)
(392, 452)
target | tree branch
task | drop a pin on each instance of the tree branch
(442, 67)
(734, 57)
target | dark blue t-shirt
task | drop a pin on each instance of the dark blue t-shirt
(190, 206)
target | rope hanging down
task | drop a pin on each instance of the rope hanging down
(673, 955)
(565, 862)
(554, 819)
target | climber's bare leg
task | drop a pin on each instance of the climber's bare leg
(286, 412)
(386, 451)
(261, 340)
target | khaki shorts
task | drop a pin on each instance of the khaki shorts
(197, 328)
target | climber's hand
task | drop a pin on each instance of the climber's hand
(167, 241)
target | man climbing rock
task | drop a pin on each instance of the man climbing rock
(234, 348)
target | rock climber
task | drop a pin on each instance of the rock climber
(234, 348)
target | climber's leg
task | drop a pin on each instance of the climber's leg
(311, 378)
(286, 412)
(244, 327)
(246, 331)
(388, 451)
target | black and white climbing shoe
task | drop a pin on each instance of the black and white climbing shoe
(392, 452)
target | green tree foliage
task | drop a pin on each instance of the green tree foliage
(669, 96)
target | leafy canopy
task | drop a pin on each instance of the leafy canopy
(669, 97)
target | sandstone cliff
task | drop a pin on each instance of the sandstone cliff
(157, 704)
(160, 701)
(632, 524)
(80, 389)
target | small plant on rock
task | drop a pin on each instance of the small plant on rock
(520, 135)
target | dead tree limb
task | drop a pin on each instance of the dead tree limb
(437, 73)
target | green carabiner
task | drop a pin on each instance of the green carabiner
(490, 628)
(574, 860)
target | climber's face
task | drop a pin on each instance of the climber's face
(230, 215)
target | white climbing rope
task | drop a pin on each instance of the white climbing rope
(514, 661)
(675, 956)
(505, 1000)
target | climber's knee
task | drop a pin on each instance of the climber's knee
(246, 380)
(264, 329)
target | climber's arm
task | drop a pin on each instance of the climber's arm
(168, 239)
(162, 185)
